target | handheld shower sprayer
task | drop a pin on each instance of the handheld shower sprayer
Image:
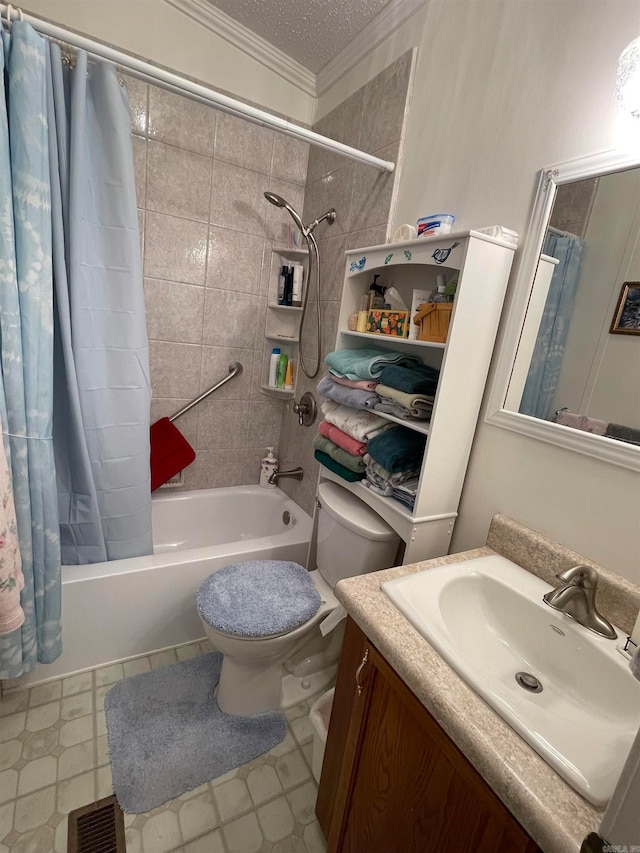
(307, 233)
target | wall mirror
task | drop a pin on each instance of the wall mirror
(568, 369)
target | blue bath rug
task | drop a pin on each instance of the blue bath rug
(167, 734)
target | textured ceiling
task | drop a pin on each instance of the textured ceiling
(310, 31)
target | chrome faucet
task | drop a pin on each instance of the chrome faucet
(577, 598)
(295, 474)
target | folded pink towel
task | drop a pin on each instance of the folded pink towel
(363, 384)
(351, 445)
(11, 577)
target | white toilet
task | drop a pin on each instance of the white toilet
(263, 616)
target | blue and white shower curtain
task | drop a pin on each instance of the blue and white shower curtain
(548, 352)
(102, 386)
(26, 333)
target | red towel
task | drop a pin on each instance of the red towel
(351, 445)
(170, 452)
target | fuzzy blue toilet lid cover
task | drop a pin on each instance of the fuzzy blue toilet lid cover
(259, 598)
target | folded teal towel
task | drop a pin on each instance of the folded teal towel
(338, 469)
(419, 379)
(366, 363)
(397, 449)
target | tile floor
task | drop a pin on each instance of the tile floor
(53, 758)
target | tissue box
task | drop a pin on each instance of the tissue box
(386, 321)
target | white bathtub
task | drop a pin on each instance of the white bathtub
(112, 611)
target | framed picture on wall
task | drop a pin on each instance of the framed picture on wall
(626, 318)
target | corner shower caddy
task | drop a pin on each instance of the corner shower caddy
(282, 323)
(481, 265)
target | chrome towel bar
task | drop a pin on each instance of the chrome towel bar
(235, 369)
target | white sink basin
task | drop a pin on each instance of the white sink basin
(487, 619)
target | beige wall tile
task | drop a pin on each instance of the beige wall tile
(236, 198)
(180, 121)
(234, 260)
(175, 249)
(215, 366)
(222, 424)
(343, 123)
(174, 311)
(230, 319)
(290, 159)
(138, 94)
(243, 144)
(265, 420)
(332, 265)
(178, 181)
(384, 105)
(333, 190)
(372, 191)
(175, 369)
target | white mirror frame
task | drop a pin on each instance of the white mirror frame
(599, 447)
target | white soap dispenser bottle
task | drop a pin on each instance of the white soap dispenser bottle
(268, 464)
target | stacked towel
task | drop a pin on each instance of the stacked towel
(398, 449)
(393, 462)
(415, 379)
(338, 454)
(366, 363)
(404, 405)
(338, 469)
(357, 398)
(357, 448)
(361, 425)
(362, 384)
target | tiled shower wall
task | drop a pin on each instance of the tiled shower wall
(207, 233)
(371, 119)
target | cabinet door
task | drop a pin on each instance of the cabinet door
(410, 789)
(344, 729)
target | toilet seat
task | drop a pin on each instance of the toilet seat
(258, 600)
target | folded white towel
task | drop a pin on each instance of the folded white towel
(358, 423)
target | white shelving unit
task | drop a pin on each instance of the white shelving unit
(481, 265)
(282, 324)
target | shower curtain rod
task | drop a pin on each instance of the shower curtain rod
(174, 83)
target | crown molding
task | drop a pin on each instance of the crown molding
(376, 31)
(247, 41)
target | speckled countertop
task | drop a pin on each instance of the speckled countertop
(553, 814)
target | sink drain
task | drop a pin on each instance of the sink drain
(528, 682)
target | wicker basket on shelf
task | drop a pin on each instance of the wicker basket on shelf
(432, 319)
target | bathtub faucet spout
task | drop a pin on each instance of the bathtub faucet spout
(295, 474)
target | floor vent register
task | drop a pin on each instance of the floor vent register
(97, 828)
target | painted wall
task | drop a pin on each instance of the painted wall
(525, 93)
(207, 237)
(157, 31)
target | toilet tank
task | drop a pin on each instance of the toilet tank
(352, 538)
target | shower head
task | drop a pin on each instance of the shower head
(278, 201)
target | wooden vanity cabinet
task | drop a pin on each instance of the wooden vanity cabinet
(392, 780)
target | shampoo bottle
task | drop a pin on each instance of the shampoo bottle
(274, 363)
(296, 291)
(282, 370)
(268, 464)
